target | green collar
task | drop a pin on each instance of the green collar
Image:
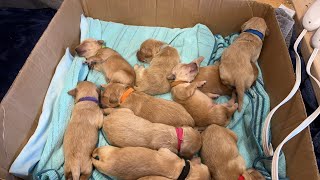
(103, 46)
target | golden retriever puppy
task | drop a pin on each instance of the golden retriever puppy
(220, 153)
(199, 105)
(210, 74)
(237, 65)
(162, 59)
(136, 162)
(124, 129)
(106, 60)
(81, 135)
(143, 105)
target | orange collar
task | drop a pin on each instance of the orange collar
(175, 83)
(126, 94)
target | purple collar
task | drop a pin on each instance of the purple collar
(89, 98)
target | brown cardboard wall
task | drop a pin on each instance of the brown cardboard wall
(21, 107)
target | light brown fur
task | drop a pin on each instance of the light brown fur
(81, 134)
(200, 105)
(106, 60)
(154, 178)
(220, 153)
(210, 74)
(124, 129)
(136, 162)
(162, 59)
(237, 66)
(148, 107)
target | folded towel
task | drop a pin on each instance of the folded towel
(191, 43)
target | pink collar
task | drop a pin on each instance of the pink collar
(179, 132)
(241, 178)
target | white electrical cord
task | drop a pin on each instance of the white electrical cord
(267, 146)
(301, 127)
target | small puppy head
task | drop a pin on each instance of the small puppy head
(198, 170)
(111, 94)
(256, 23)
(191, 142)
(148, 50)
(186, 72)
(83, 89)
(252, 174)
(89, 47)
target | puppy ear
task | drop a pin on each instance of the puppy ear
(73, 92)
(193, 67)
(98, 91)
(101, 42)
(196, 160)
(171, 77)
(267, 31)
(198, 60)
(243, 27)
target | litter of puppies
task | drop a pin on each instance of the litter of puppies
(148, 134)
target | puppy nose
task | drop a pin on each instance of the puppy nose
(96, 157)
(77, 49)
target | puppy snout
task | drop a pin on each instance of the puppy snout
(95, 154)
(140, 56)
(79, 51)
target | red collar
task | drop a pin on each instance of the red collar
(241, 177)
(179, 132)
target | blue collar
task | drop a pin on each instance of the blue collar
(255, 32)
(89, 98)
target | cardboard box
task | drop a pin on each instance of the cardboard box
(21, 107)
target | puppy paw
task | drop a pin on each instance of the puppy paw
(201, 83)
(136, 66)
(213, 96)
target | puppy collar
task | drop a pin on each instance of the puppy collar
(255, 32)
(126, 94)
(179, 132)
(89, 98)
(103, 46)
(241, 177)
(175, 83)
(185, 171)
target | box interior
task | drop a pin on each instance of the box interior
(21, 107)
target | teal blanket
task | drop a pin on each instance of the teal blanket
(191, 43)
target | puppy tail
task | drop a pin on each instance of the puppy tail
(240, 93)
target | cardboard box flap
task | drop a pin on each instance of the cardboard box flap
(177, 13)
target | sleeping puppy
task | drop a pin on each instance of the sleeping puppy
(210, 74)
(162, 59)
(124, 129)
(200, 105)
(81, 135)
(136, 162)
(237, 66)
(148, 107)
(220, 153)
(106, 60)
